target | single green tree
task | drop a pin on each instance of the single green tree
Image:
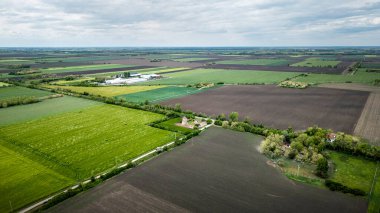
(234, 116)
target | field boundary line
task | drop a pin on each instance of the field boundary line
(374, 180)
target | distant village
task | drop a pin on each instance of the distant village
(131, 78)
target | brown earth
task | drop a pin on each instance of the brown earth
(369, 122)
(351, 86)
(281, 108)
(219, 171)
(147, 62)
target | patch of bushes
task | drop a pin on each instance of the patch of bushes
(18, 66)
(18, 101)
(293, 84)
(335, 186)
(354, 146)
(376, 82)
(187, 137)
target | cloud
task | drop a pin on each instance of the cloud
(188, 22)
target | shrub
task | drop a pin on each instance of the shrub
(209, 121)
(218, 122)
(293, 84)
(322, 167)
(335, 186)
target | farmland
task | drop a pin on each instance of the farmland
(221, 75)
(72, 148)
(219, 171)
(357, 173)
(83, 68)
(339, 110)
(316, 62)
(264, 62)
(191, 59)
(9, 92)
(160, 94)
(49, 107)
(361, 76)
(108, 91)
(24, 180)
(92, 129)
(367, 126)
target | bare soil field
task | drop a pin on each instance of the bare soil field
(281, 108)
(351, 86)
(219, 171)
(59, 64)
(369, 122)
(147, 62)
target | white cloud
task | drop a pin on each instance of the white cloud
(188, 22)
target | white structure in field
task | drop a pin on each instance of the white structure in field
(135, 79)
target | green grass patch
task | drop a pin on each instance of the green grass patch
(49, 107)
(316, 62)
(160, 94)
(357, 173)
(83, 68)
(71, 82)
(360, 76)
(10, 92)
(108, 91)
(24, 181)
(223, 75)
(15, 61)
(85, 143)
(263, 62)
(171, 124)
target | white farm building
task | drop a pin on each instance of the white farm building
(135, 79)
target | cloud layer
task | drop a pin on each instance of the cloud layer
(189, 23)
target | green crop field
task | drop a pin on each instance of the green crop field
(80, 59)
(316, 62)
(156, 70)
(360, 76)
(108, 91)
(264, 62)
(85, 143)
(70, 82)
(222, 75)
(191, 59)
(24, 181)
(83, 68)
(22, 113)
(9, 92)
(160, 94)
(15, 61)
(356, 172)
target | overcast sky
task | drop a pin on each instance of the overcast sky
(189, 22)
